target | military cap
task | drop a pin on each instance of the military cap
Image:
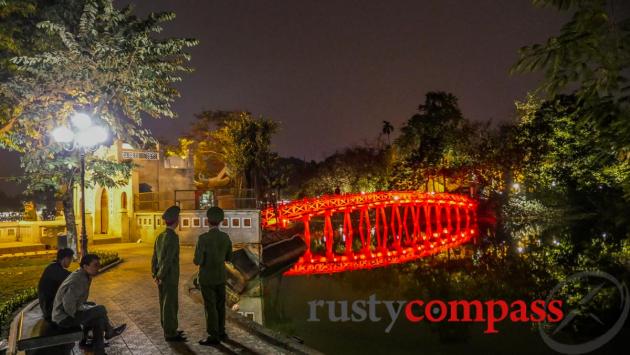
(171, 214)
(215, 214)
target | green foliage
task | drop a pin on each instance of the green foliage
(96, 59)
(591, 56)
(352, 170)
(110, 67)
(563, 150)
(106, 257)
(438, 142)
(429, 133)
(18, 28)
(242, 142)
(592, 49)
(10, 306)
(11, 12)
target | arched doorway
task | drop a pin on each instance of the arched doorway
(104, 211)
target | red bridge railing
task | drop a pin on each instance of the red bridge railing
(393, 227)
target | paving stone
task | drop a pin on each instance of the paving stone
(131, 297)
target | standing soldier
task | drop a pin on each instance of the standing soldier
(165, 269)
(213, 249)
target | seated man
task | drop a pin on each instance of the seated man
(71, 308)
(51, 279)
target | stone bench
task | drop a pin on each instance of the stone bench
(35, 335)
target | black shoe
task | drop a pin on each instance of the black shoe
(223, 337)
(116, 331)
(209, 341)
(180, 332)
(178, 337)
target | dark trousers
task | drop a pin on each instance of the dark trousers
(169, 306)
(214, 307)
(94, 318)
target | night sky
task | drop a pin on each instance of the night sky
(332, 71)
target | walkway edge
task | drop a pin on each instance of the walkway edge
(273, 337)
(109, 266)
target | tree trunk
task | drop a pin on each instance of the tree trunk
(68, 212)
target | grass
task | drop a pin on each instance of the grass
(20, 274)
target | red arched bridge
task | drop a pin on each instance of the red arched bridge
(377, 229)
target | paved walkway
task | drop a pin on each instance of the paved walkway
(131, 297)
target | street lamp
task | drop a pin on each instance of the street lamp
(83, 136)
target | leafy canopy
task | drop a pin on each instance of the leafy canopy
(108, 64)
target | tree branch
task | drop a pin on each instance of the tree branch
(7, 127)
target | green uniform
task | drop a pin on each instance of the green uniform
(165, 266)
(213, 249)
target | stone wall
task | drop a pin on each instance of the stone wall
(243, 226)
(33, 232)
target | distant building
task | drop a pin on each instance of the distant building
(155, 183)
(132, 212)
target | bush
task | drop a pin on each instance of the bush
(8, 307)
(106, 257)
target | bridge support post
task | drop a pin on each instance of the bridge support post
(347, 230)
(416, 235)
(329, 234)
(458, 226)
(405, 226)
(365, 231)
(383, 238)
(428, 229)
(307, 237)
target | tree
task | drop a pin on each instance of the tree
(10, 13)
(591, 56)
(387, 129)
(562, 151)
(107, 64)
(352, 170)
(242, 142)
(18, 27)
(293, 175)
(435, 142)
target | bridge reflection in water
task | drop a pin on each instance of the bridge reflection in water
(393, 227)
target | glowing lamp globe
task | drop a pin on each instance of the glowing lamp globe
(62, 134)
(92, 136)
(81, 121)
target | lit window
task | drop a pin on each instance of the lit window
(247, 222)
(196, 222)
(225, 223)
(185, 222)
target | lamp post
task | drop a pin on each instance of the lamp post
(85, 137)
